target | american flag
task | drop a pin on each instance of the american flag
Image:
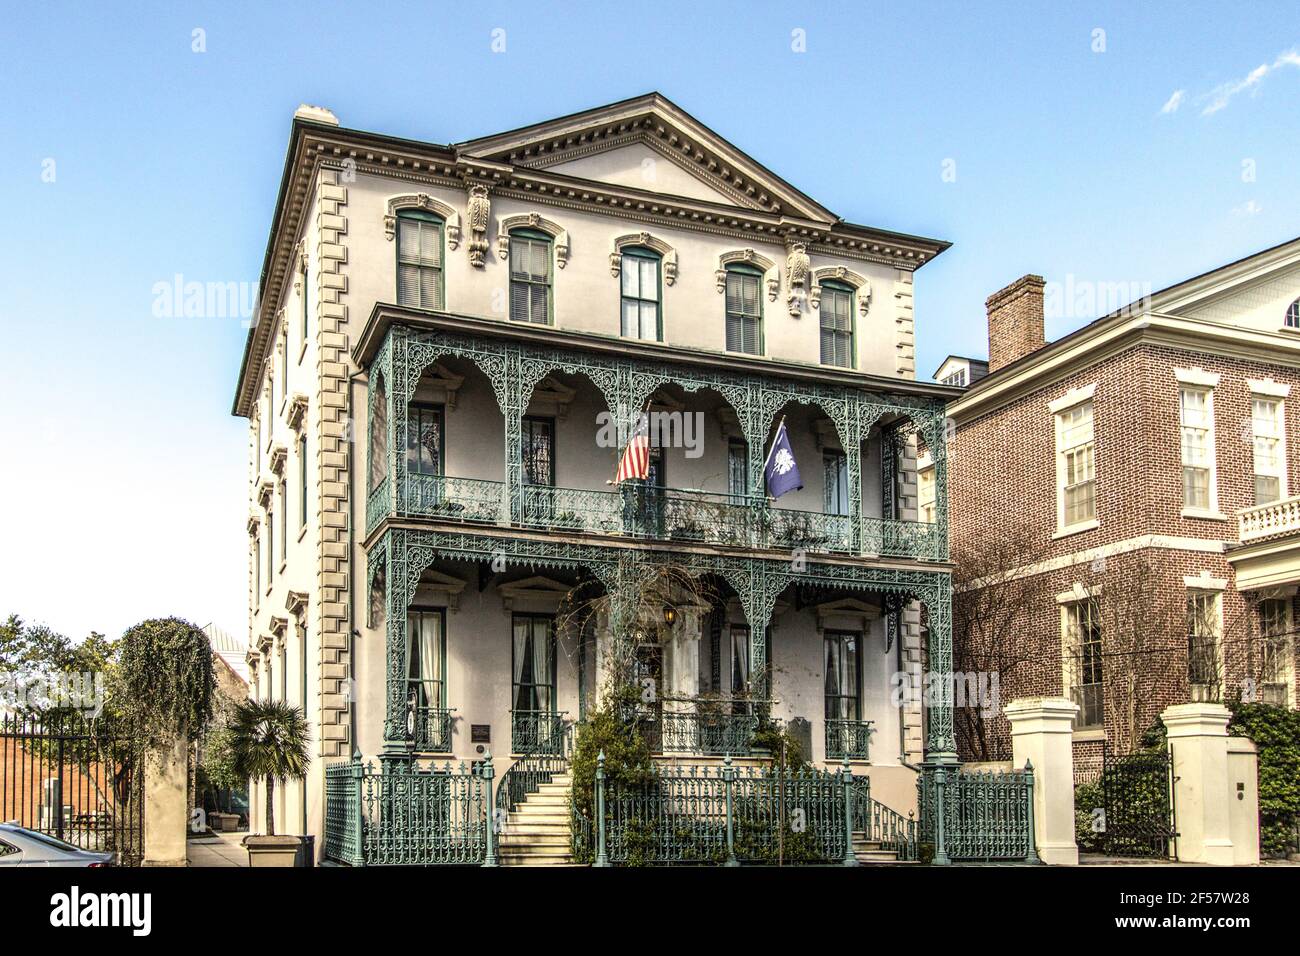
(635, 462)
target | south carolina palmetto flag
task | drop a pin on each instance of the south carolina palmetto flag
(635, 462)
(780, 469)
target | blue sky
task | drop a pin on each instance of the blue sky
(122, 490)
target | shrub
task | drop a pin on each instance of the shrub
(1276, 732)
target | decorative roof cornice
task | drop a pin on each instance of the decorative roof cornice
(314, 145)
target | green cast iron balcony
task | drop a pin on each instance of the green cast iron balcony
(429, 728)
(454, 499)
(848, 738)
(665, 514)
(706, 733)
(537, 732)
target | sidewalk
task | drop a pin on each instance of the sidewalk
(217, 849)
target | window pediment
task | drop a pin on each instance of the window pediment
(427, 203)
(860, 283)
(559, 235)
(542, 591)
(748, 257)
(644, 239)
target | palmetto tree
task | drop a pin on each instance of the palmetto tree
(268, 740)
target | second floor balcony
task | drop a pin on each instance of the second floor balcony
(638, 510)
(458, 444)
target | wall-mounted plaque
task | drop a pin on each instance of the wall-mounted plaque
(480, 733)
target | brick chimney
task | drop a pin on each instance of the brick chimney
(1015, 321)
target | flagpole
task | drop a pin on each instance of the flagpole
(766, 460)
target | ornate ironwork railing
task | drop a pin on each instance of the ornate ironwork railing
(901, 539)
(378, 504)
(399, 814)
(696, 732)
(529, 771)
(573, 509)
(881, 825)
(343, 785)
(452, 499)
(848, 738)
(720, 815)
(809, 530)
(641, 511)
(537, 732)
(978, 816)
(430, 728)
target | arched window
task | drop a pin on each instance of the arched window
(419, 259)
(377, 446)
(744, 309)
(641, 294)
(836, 311)
(530, 276)
(1293, 315)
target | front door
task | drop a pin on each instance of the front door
(649, 677)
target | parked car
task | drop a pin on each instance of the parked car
(20, 846)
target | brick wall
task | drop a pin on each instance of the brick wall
(1015, 316)
(1002, 475)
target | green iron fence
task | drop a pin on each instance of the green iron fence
(980, 816)
(400, 814)
(700, 815)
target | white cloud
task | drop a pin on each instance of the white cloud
(1222, 95)
(1174, 101)
(1248, 208)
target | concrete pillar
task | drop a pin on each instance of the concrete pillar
(1198, 744)
(1042, 733)
(166, 809)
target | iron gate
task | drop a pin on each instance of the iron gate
(58, 775)
(1137, 793)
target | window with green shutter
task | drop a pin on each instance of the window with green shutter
(837, 324)
(744, 310)
(640, 294)
(530, 277)
(419, 260)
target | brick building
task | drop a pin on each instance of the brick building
(1121, 503)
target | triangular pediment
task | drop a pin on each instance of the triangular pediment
(1254, 292)
(618, 143)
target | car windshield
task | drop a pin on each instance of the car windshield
(45, 839)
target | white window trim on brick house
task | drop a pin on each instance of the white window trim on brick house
(1284, 595)
(925, 496)
(1204, 584)
(1196, 379)
(1066, 602)
(1067, 402)
(1269, 390)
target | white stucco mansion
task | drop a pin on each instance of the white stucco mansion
(441, 328)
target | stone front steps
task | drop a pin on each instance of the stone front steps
(537, 832)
